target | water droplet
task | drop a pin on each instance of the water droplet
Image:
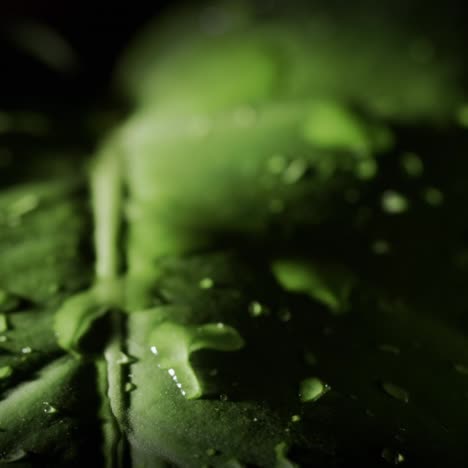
(245, 116)
(366, 169)
(295, 170)
(461, 368)
(206, 283)
(433, 196)
(223, 397)
(23, 205)
(277, 164)
(5, 372)
(284, 314)
(388, 348)
(412, 164)
(14, 456)
(310, 358)
(394, 202)
(392, 456)
(380, 247)
(396, 392)
(281, 451)
(129, 387)
(49, 409)
(312, 389)
(3, 323)
(256, 309)
(295, 418)
(124, 359)
(26, 350)
(173, 344)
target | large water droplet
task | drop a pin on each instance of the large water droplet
(394, 202)
(5, 372)
(312, 389)
(295, 418)
(49, 409)
(13, 456)
(26, 350)
(172, 344)
(392, 456)
(395, 391)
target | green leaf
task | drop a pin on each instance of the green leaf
(181, 303)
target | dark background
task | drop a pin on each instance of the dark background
(98, 31)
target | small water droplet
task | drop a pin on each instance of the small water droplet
(310, 358)
(295, 418)
(392, 456)
(277, 164)
(124, 359)
(388, 348)
(3, 323)
(394, 202)
(395, 391)
(284, 314)
(412, 164)
(312, 389)
(5, 372)
(380, 247)
(256, 309)
(295, 170)
(129, 387)
(154, 350)
(223, 397)
(366, 169)
(433, 196)
(49, 409)
(26, 350)
(461, 368)
(206, 283)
